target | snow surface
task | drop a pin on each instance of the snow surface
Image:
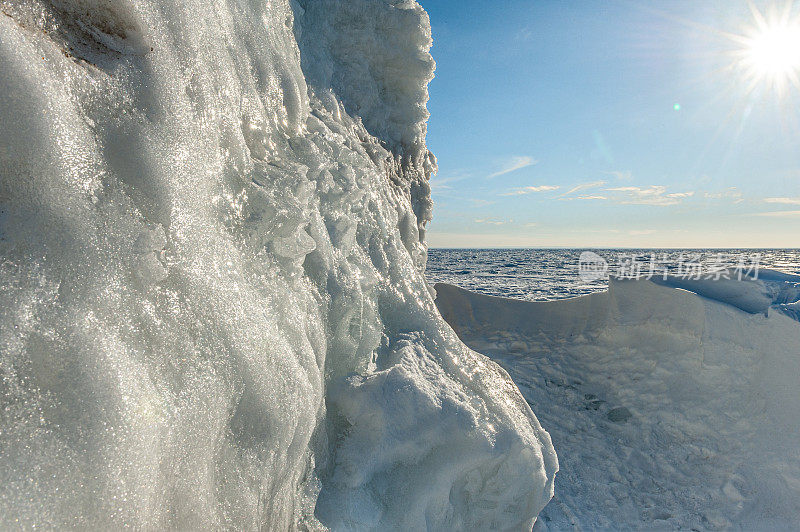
(753, 292)
(669, 410)
(212, 307)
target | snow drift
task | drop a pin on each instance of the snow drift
(212, 312)
(669, 409)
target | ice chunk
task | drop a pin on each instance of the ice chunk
(471, 468)
(212, 309)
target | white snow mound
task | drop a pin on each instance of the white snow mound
(669, 410)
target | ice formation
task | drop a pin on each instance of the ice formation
(212, 312)
(670, 410)
(752, 291)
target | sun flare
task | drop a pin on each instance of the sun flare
(771, 52)
(776, 51)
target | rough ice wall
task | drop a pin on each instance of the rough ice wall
(377, 63)
(211, 306)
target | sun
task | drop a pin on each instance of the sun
(775, 52)
(770, 52)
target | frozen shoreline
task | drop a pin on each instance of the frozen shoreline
(667, 409)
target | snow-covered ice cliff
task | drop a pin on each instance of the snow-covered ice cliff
(670, 410)
(212, 312)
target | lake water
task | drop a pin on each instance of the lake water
(547, 274)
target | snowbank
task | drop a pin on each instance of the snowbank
(753, 292)
(212, 312)
(668, 410)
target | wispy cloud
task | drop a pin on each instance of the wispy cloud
(513, 164)
(783, 201)
(530, 190)
(590, 197)
(492, 222)
(584, 186)
(656, 195)
(443, 183)
(480, 202)
(680, 194)
(732, 193)
(653, 195)
(629, 195)
(779, 214)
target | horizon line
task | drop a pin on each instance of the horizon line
(788, 248)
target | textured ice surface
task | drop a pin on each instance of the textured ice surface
(212, 311)
(668, 410)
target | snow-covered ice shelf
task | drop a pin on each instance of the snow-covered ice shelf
(668, 410)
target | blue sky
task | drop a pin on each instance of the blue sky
(609, 123)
